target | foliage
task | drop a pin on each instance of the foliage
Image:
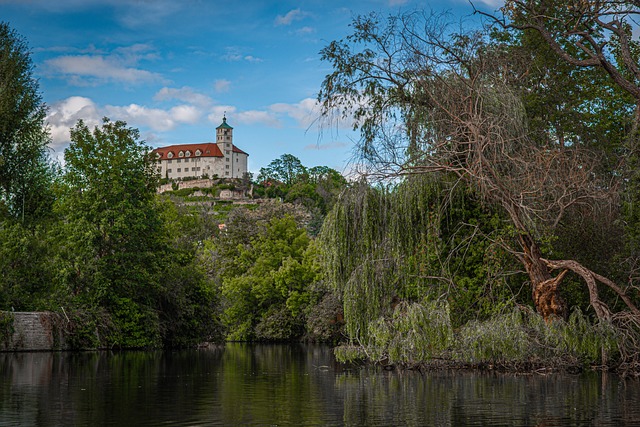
(518, 337)
(317, 188)
(264, 263)
(415, 332)
(6, 327)
(25, 175)
(408, 243)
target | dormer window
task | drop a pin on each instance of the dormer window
(198, 153)
(188, 153)
(169, 155)
(181, 154)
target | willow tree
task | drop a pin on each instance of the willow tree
(427, 102)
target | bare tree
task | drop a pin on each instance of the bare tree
(428, 102)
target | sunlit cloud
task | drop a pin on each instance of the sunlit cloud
(65, 114)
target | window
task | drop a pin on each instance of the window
(227, 167)
(181, 154)
(227, 159)
(178, 161)
(168, 170)
(198, 152)
(169, 154)
(226, 173)
(188, 153)
(228, 145)
(169, 161)
(227, 152)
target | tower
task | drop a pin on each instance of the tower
(224, 136)
(224, 139)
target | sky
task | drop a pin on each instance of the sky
(173, 68)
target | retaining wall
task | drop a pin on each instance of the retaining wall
(38, 331)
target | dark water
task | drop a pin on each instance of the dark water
(271, 385)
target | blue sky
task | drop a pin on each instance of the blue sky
(171, 68)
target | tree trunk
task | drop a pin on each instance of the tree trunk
(544, 287)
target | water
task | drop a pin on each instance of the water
(280, 385)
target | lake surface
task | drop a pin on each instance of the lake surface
(282, 385)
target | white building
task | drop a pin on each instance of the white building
(220, 158)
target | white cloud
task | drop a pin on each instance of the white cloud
(92, 66)
(305, 30)
(293, 15)
(92, 69)
(305, 112)
(222, 85)
(184, 94)
(234, 55)
(154, 118)
(65, 114)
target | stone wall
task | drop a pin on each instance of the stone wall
(41, 331)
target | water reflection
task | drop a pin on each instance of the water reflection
(242, 384)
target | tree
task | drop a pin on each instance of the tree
(264, 264)
(427, 102)
(286, 169)
(115, 236)
(24, 169)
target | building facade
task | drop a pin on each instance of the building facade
(207, 159)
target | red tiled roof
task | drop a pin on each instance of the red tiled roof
(208, 149)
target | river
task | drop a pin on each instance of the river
(292, 385)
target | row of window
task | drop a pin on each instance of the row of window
(184, 153)
(185, 160)
(192, 160)
(195, 169)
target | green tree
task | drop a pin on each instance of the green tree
(25, 175)
(264, 265)
(113, 230)
(286, 169)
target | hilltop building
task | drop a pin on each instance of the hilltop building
(206, 159)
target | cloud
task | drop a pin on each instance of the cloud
(290, 17)
(65, 114)
(305, 30)
(305, 112)
(184, 94)
(234, 54)
(493, 3)
(119, 66)
(154, 118)
(249, 117)
(222, 85)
